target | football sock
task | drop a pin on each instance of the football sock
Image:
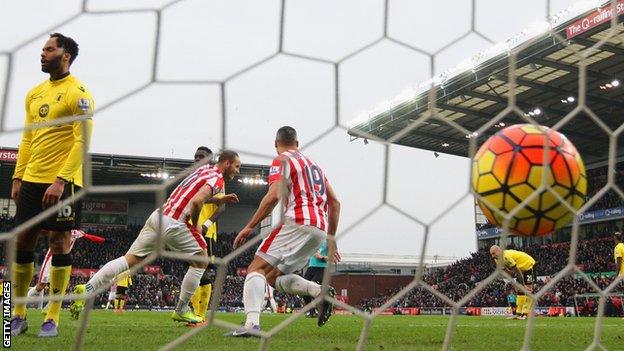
(116, 303)
(204, 300)
(188, 287)
(195, 300)
(22, 273)
(253, 297)
(520, 304)
(107, 273)
(122, 303)
(527, 305)
(294, 284)
(60, 272)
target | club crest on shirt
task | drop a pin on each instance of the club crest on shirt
(43, 110)
(84, 104)
(274, 170)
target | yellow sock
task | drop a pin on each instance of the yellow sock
(195, 300)
(122, 302)
(528, 302)
(206, 292)
(22, 275)
(520, 304)
(116, 303)
(59, 279)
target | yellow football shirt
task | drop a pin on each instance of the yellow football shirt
(514, 258)
(55, 151)
(206, 212)
(618, 252)
(124, 279)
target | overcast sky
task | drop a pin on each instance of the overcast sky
(203, 41)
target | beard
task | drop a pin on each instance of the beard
(52, 65)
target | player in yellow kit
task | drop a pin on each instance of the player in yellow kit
(48, 170)
(124, 281)
(618, 254)
(208, 216)
(520, 265)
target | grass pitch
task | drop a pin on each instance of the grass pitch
(152, 330)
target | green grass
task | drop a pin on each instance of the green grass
(151, 330)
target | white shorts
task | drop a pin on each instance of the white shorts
(177, 236)
(289, 246)
(111, 296)
(44, 271)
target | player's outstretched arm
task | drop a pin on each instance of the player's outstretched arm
(219, 200)
(618, 265)
(268, 203)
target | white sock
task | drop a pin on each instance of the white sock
(294, 284)
(41, 293)
(32, 292)
(188, 287)
(107, 273)
(253, 297)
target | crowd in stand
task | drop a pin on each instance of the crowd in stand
(598, 177)
(456, 280)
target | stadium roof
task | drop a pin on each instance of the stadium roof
(547, 78)
(125, 170)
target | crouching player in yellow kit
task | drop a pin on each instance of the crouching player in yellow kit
(520, 266)
(208, 216)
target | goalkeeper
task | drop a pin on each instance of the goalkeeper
(520, 266)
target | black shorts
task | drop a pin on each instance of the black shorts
(512, 304)
(121, 290)
(29, 204)
(529, 277)
(211, 243)
(314, 274)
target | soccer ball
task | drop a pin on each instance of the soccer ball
(508, 168)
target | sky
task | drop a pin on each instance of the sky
(164, 72)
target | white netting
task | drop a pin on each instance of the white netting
(335, 63)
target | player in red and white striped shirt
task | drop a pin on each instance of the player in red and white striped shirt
(311, 214)
(181, 209)
(44, 271)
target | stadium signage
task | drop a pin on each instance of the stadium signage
(586, 217)
(594, 19)
(494, 311)
(8, 155)
(105, 206)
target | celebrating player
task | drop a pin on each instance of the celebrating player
(44, 271)
(48, 170)
(207, 217)
(312, 213)
(520, 266)
(181, 209)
